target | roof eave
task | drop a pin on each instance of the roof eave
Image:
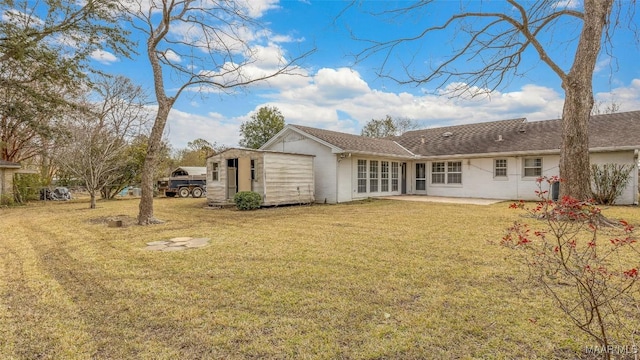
(334, 149)
(526, 153)
(408, 156)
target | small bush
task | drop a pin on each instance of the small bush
(592, 280)
(608, 181)
(26, 187)
(247, 200)
(6, 200)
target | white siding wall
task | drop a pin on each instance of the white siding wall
(478, 177)
(288, 179)
(630, 193)
(325, 164)
(217, 190)
(345, 182)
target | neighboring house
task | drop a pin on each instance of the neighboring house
(279, 177)
(7, 170)
(498, 160)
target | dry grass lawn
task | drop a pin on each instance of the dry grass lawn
(371, 280)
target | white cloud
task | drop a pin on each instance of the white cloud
(341, 100)
(602, 64)
(627, 97)
(272, 38)
(267, 60)
(569, 4)
(183, 127)
(172, 56)
(103, 57)
(257, 8)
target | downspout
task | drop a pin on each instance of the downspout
(635, 175)
(517, 178)
(337, 176)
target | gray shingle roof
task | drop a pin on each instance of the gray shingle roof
(605, 131)
(8, 164)
(505, 136)
(461, 139)
(356, 143)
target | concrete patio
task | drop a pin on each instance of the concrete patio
(442, 199)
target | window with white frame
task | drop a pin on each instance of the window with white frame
(532, 167)
(373, 175)
(384, 176)
(215, 171)
(394, 176)
(449, 172)
(438, 172)
(421, 176)
(500, 168)
(362, 176)
(454, 172)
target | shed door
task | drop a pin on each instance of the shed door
(231, 182)
(244, 174)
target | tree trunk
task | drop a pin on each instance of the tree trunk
(578, 87)
(145, 210)
(92, 202)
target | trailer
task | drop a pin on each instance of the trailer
(185, 181)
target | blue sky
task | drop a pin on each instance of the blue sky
(340, 94)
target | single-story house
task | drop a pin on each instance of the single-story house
(279, 177)
(498, 160)
(7, 170)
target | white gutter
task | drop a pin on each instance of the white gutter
(523, 153)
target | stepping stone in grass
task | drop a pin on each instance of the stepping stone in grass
(197, 243)
(154, 243)
(179, 243)
(181, 239)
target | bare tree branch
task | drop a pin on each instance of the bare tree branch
(204, 45)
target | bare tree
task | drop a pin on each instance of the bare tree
(495, 43)
(206, 46)
(602, 107)
(380, 128)
(100, 139)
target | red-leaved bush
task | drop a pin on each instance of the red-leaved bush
(594, 281)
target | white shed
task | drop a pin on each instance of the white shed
(280, 178)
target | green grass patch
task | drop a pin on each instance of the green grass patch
(372, 280)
